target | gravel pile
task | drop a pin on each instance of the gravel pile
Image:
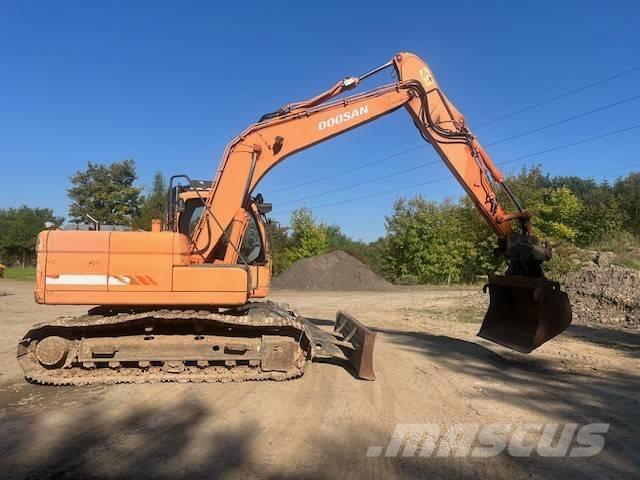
(337, 271)
(606, 295)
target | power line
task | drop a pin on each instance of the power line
(626, 166)
(418, 147)
(600, 165)
(565, 120)
(558, 97)
(365, 182)
(635, 164)
(406, 170)
(349, 170)
(522, 157)
(376, 194)
(567, 145)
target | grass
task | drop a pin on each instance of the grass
(469, 315)
(568, 258)
(618, 243)
(628, 260)
(626, 249)
(19, 273)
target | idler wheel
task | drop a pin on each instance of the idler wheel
(52, 351)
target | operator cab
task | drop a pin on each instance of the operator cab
(186, 204)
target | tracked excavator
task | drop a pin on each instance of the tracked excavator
(182, 303)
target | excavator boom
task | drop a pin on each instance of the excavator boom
(175, 304)
(301, 125)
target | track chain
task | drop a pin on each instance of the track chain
(266, 316)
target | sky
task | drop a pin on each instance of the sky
(169, 84)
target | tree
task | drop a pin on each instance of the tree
(105, 192)
(558, 214)
(429, 242)
(280, 241)
(308, 238)
(601, 215)
(437, 242)
(555, 206)
(19, 228)
(627, 191)
(153, 204)
(474, 227)
(528, 186)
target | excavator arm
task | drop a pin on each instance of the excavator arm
(525, 310)
(301, 125)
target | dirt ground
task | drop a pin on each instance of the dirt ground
(431, 368)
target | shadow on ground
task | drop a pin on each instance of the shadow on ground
(145, 442)
(542, 386)
(625, 341)
(547, 388)
(186, 439)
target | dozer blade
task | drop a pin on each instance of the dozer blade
(350, 341)
(360, 351)
(524, 312)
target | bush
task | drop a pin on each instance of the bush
(566, 258)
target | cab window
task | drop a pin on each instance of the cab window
(195, 218)
(252, 250)
(190, 216)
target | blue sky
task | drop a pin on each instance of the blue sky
(170, 83)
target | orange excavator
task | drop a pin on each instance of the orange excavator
(179, 304)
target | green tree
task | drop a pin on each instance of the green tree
(429, 242)
(601, 215)
(475, 228)
(627, 191)
(558, 214)
(336, 239)
(308, 238)
(153, 204)
(528, 186)
(280, 241)
(555, 207)
(581, 187)
(436, 242)
(106, 192)
(19, 228)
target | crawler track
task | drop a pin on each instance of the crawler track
(106, 335)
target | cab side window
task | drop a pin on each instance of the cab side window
(190, 217)
(252, 250)
(195, 218)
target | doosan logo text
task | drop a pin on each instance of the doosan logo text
(343, 117)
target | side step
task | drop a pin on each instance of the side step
(350, 341)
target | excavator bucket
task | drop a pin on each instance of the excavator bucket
(524, 312)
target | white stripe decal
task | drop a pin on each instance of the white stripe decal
(71, 279)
